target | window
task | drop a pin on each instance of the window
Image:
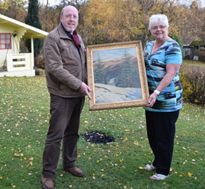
(5, 41)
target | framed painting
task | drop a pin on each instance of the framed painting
(116, 75)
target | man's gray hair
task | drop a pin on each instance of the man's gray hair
(67, 7)
(158, 18)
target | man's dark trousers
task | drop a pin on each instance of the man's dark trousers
(63, 127)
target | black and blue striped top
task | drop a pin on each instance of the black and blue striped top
(170, 99)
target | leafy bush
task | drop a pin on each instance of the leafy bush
(40, 61)
(193, 80)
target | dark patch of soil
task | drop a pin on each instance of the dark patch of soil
(98, 137)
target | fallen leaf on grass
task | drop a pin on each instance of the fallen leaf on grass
(189, 174)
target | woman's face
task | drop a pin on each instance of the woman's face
(159, 31)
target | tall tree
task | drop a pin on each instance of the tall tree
(33, 20)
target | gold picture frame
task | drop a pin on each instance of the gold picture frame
(116, 75)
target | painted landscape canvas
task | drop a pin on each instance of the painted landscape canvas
(116, 75)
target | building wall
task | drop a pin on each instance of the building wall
(14, 44)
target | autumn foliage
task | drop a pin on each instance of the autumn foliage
(103, 21)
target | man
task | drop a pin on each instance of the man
(65, 66)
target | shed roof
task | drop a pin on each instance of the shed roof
(30, 30)
(198, 42)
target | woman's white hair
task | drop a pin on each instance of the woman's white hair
(158, 18)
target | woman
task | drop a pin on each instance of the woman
(163, 58)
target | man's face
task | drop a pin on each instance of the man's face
(69, 18)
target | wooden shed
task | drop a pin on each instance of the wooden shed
(13, 61)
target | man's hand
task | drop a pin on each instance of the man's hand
(85, 89)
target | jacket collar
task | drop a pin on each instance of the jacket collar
(62, 33)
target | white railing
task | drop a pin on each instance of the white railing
(17, 62)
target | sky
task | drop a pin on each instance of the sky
(56, 2)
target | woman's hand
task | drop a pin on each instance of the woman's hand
(152, 99)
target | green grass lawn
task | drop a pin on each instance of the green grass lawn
(24, 117)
